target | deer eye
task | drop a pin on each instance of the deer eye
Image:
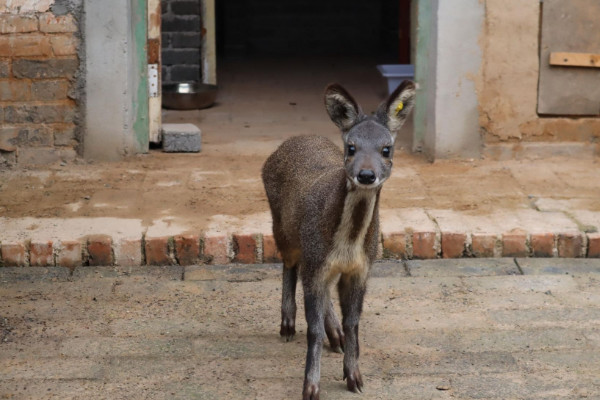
(351, 150)
(386, 151)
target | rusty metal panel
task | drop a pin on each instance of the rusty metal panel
(569, 26)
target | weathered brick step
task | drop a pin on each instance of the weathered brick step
(190, 249)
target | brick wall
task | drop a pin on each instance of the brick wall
(38, 68)
(181, 27)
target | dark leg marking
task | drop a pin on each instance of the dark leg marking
(352, 292)
(333, 329)
(314, 304)
(288, 303)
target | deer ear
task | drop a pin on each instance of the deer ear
(342, 108)
(395, 109)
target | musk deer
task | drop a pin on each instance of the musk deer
(324, 205)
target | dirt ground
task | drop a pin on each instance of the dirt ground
(454, 329)
(257, 109)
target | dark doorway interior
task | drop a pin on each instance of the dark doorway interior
(257, 28)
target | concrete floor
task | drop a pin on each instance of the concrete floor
(263, 101)
(442, 329)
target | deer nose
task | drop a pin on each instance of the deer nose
(366, 176)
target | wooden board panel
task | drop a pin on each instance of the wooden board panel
(571, 27)
(575, 59)
(154, 57)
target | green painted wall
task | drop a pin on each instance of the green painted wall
(424, 70)
(141, 98)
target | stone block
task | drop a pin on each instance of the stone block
(181, 138)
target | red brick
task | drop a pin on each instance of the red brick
(99, 249)
(270, 252)
(14, 254)
(9, 138)
(453, 244)
(18, 24)
(542, 244)
(49, 89)
(157, 251)
(216, 249)
(64, 45)
(30, 45)
(424, 245)
(570, 244)
(128, 252)
(483, 244)
(51, 23)
(14, 90)
(69, 254)
(41, 254)
(593, 245)
(245, 248)
(5, 49)
(514, 245)
(187, 249)
(394, 245)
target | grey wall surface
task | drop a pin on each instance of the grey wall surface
(447, 114)
(110, 77)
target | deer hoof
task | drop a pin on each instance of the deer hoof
(337, 341)
(311, 391)
(353, 380)
(288, 329)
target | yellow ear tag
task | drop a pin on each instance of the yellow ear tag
(399, 108)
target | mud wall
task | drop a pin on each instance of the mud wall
(508, 85)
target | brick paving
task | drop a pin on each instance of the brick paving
(432, 329)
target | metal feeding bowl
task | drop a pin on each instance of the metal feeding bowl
(188, 95)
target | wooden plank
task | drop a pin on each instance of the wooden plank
(575, 59)
(154, 57)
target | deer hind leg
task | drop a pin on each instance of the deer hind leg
(315, 304)
(333, 329)
(352, 292)
(288, 302)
